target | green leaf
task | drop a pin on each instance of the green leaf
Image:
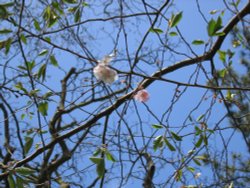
(218, 24)
(30, 131)
(211, 27)
(169, 145)
(172, 34)
(219, 34)
(19, 182)
(214, 26)
(222, 55)
(175, 19)
(57, 6)
(100, 168)
(197, 162)
(31, 65)
(9, 4)
(211, 131)
(96, 160)
(43, 108)
(42, 72)
(85, 4)
(42, 132)
(229, 95)
(47, 13)
(70, 1)
(34, 92)
(22, 116)
(23, 39)
(24, 171)
(53, 61)
(47, 95)
(97, 152)
(5, 31)
(50, 16)
(198, 42)
(198, 130)
(28, 144)
(156, 126)
(3, 12)
(178, 175)
(72, 9)
(201, 158)
(155, 30)
(176, 136)
(199, 142)
(19, 86)
(222, 73)
(200, 117)
(205, 139)
(191, 152)
(11, 181)
(3, 43)
(77, 17)
(37, 25)
(100, 165)
(53, 19)
(48, 39)
(158, 142)
(43, 52)
(110, 157)
(213, 11)
(7, 45)
(191, 169)
(22, 67)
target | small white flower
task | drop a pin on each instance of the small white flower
(197, 175)
(105, 74)
(233, 96)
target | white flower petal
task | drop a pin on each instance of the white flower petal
(105, 74)
(108, 58)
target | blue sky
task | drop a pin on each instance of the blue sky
(192, 27)
(99, 38)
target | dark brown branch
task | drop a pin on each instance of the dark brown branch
(104, 145)
(9, 149)
(48, 169)
(148, 180)
(16, 122)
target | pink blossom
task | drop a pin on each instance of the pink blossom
(142, 95)
(104, 73)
